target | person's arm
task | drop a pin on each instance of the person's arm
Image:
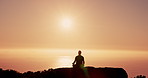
(74, 61)
(83, 61)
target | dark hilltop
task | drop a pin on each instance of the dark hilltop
(86, 72)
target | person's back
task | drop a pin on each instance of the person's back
(79, 60)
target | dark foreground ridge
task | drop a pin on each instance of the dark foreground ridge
(90, 72)
(87, 72)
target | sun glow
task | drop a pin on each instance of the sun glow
(64, 61)
(66, 23)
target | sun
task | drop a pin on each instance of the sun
(66, 22)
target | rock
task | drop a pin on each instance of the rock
(90, 72)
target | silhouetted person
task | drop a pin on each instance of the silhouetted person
(79, 60)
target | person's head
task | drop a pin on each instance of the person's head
(79, 52)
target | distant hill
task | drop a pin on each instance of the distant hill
(87, 72)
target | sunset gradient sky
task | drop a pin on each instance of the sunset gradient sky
(109, 32)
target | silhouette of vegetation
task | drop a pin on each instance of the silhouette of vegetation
(9, 74)
(86, 72)
(140, 76)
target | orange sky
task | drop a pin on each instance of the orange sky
(96, 25)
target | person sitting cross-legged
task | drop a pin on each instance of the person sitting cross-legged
(79, 61)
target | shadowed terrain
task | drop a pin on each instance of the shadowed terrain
(87, 72)
(90, 72)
